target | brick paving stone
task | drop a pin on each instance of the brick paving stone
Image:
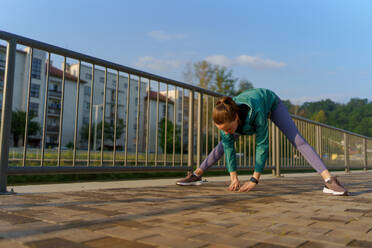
(267, 245)
(217, 238)
(314, 244)
(55, 242)
(171, 241)
(78, 235)
(124, 232)
(281, 211)
(286, 241)
(360, 243)
(11, 244)
(115, 243)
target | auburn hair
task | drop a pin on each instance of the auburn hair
(225, 110)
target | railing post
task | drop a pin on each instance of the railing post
(190, 162)
(199, 130)
(277, 153)
(273, 160)
(365, 158)
(346, 153)
(6, 114)
(318, 140)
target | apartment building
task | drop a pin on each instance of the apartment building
(38, 94)
(156, 115)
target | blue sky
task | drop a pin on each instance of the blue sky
(302, 50)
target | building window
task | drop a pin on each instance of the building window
(126, 85)
(35, 90)
(101, 79)
(87, 91)
(85, 120)
(88, 76)
(36, 68)
(86, 105)
(34, 109)
(2, 60)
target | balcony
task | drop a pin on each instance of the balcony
(54, 110)
(53, 128)
(55, 93)
(2, 64)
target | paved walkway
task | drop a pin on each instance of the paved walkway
(280, 212)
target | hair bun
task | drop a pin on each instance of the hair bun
(224, 100)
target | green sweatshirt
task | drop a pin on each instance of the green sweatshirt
(261, 103)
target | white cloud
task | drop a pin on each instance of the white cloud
(254, 61)
(221, 60)
(159, 65)
(163, 36)
(258, 61)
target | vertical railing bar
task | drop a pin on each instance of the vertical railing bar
(245, 151)
(45, 111)
(199, 129)
(240, 150)
(103, 117)
(219, 140)
(148, 122)
(166, 128)
(174, 125)
(157, 125)
(116, 117)
(61, 113)
(213, 129)
(6, 113)
(126, 124)
(27, 109)
(138, 115)
(207, 126)
(365, 155)
(91, 114)
(182, 122)
(190, 161)
(76, 114)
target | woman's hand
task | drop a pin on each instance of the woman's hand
(247, 186)
(234, 185)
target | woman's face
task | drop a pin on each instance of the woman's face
(229, 127)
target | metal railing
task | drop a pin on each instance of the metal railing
(158, 124)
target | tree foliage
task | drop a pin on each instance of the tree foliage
(354, 116)
(170, 128)
(108, 133)
(18, 125)
(217, 78)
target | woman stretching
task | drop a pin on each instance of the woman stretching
(248, 114)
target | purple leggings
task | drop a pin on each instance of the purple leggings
(283, 120)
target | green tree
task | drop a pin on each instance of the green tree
(108, 133)
(224, 81)
(244, 84)
(170, 127)
(18, 125)
(320, 117)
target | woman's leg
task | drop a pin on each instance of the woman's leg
(283, 120)
(213, 157)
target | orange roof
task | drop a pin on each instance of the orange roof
(55, 72)
(154, 96)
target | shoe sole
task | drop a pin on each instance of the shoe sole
(190, 184)
(329, 191)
